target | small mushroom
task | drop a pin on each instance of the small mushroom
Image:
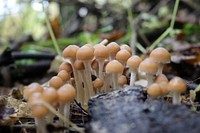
(177, 86)
(149, 67)
(122, 56)
(122, 80)
(133, 63)
(154, 90)
(98, 83)
(32, 88)
(56, 82)
(113, 48)
(115, 68)
(66, 95)
(126, 47)
(161, 56)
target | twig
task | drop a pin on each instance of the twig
(82, 109)
(51, 32)
(169, 29)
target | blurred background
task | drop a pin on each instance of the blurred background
(26, 45)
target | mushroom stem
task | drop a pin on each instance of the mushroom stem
(115, 80)
(86, 90)
(160, 68)
(50, 118)
(40, 124)
(66, 113)
(101, 65)
(176, 98)
(149, 78)
(78, 82)
(89, 78)
(133, 77)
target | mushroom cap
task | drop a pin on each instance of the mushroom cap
(33, 97)
(113, 48)
(64, 75)
(123, 55)
(78, 65)
(126, 47)
(154, 90)
(56, 82)
(176, 85)
(160, 55)
(32, 88)
(90, 46)
(70, 51)
(98, 83)
(50, 95)
(161, 78)
(148, 66)
(114, 66)
(101, 51)
(95, 65)
(66, 93)
(122, 80)
(133, 62)
(163, 86)
(39, 110)
(65, 66)
(84, 53)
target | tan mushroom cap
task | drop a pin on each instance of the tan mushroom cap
(101, 51)
(133, 62)
(154, 90)
(123, 55)
(161, 78)
(126, 47)
(98, 83)
(163, 86)
(70, 51)
(90, 46)
(56, 82)
(32, 88)
(66, 93)
(122, 80)
(148, 66)
(95, 65)
(78, 65)
(114, 66)
(33, 97)
(160, 55)
(64, 75)
(176, 85)
(39, 110)
(85, 53)
(50, 95)
(113, 48)
(65, 66)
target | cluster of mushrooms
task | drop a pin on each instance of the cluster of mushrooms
(107, 63)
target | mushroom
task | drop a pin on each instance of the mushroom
(66, 95)
(64, 75)
(115, 68)
(50, 95)
(101, 53)
(154, 90)
(65, 66)
(56, 82)
(161, 56)
(149, 67)
(113, 48)
(122, 80)
(39, 112)
(161, 78)
(32, 88)
(98, 83)
(84, 93)
(133, 63)
(177, 86)
(162, 81)
(86, 55)
(122, 56)
(126, 47)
